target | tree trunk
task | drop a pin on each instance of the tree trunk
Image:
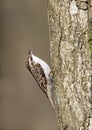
(71, 49)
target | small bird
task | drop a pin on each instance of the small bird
(41, 73)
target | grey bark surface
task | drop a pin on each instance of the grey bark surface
(71, 63)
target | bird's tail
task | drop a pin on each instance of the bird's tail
(49, 94)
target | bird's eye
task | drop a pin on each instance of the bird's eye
(31, 58)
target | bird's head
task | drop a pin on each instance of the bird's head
(29, 60)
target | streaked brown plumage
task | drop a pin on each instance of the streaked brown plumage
(35, 66)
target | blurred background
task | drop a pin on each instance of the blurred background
(23, 106)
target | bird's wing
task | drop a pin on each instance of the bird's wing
(38, 74)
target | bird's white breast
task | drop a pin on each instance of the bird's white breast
(44, 65)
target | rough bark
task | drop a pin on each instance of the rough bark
(71, 50)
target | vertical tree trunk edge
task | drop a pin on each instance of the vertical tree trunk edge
(70, 35)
